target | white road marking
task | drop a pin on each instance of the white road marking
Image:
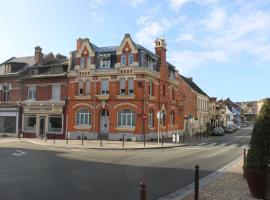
(19, 153)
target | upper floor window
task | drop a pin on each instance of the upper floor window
(80, 87)
(126, 118)
(32, 93)
(173, 94)
(122, 86)
(87, 87)
(150, 63)
(151, 118)
(164, 90)
(56, 90)
(6, 92)
(105, 63)
(104, 86)
(131, 86)
(83, 117)
(163, 116)
(123, 59)
(130, 58)
(82, 61)
(150, 88)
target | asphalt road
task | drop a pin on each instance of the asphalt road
(31, 172)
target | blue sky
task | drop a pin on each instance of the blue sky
(223, 45)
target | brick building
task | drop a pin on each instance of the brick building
(33, 95)
(120, 89)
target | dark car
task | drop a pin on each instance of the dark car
(218, 131)
(229, 129)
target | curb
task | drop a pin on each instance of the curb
(103, 148)
(188, 189)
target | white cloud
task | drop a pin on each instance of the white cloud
(135, 3)
(176, 4)
(184, 37)
(216, 19)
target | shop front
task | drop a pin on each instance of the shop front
(9, 120)
(43, 119)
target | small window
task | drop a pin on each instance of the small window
(56, 90)
(80, 88)
(123, 59)
(105, 63)
(131, 86)
(164, 90)
(82, 62)
(151, 118)
(6, 93)
(173, 94)
(122, 86)
(163, 119)
(130, 59)
(172, 120)
(150, 88)
(87, 87)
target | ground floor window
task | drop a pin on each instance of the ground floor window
(30, 123)
(55, 124)
(83, 117)
(8, 124)
(126, 118)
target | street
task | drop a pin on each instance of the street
(30, 171)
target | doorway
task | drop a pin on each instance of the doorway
(42, 126)
(104, 123)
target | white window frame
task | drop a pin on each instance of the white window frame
(56, 92)
(80, 87)
(123, 58)
(6, 92)
(122, 82)
(105, 63)
(82, 62)
(83, 118)
(126, 118)
(32, 93)
(104, 86)
(151, 118)
(87, 87)
(131, 86)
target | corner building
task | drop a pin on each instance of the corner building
(123, 89)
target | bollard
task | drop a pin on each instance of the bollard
(184, 137)
(144, 139)
(143, 190)
(100, 141)
(123, 141)
(54, 138)
(162, 139)
(196, 185)
(67, 140)
(244, 163)
(82, 139)
(200, 135)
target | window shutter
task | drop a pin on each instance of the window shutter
(131, 85)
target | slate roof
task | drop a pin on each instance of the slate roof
(27, 60)
(193, 85)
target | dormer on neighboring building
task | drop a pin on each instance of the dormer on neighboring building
(127, 53)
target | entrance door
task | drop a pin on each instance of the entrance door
(41, 126)
(104, 122)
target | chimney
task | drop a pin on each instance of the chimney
(38, 55)
(190, 78)
(160, 47)
(79, 43)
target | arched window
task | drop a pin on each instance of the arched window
(123, 59)
(83, 117)
(151, 118)
(126, 118)
(172, 118)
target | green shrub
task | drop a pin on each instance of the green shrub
(258, 157)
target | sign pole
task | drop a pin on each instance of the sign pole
(158, 116)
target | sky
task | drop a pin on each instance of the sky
(223, 45)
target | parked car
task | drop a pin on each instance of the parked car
(218, 131)
(229, 129)
(243, 125)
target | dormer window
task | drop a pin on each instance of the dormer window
(105, 63)
(130, 58)
(82, 61)
(123, 59)
(32, 93)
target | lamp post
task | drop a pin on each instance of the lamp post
(158, 117)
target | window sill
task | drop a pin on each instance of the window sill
(125, 96)
(125, 128)
(151, 128)
(152, 97)
(83, 97)
(103, 96)
(82, 127)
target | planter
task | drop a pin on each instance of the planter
(258, 183)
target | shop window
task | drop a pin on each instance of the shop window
(55, 124)
(151, 118)
(83, 117)
(126, 118)
(30, 123)
(131, 86)
(8, 124)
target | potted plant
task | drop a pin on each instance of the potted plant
(257, 166)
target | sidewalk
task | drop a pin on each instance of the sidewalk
(104, 144)
(227, 187)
